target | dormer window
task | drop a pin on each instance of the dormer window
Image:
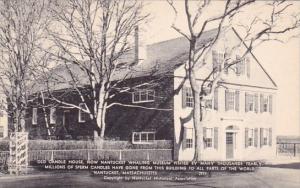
(143, 95)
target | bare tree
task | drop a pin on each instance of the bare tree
(92, 37)
(21, 32)
(256, 29)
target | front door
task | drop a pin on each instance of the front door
(229, 145)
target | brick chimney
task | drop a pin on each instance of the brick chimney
(139, 47)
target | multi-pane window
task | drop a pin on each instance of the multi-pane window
(209, 137)
(81, 113)
(1, 131)
(189, 143)
(218, 59)
(265, 103)
(265, 136)
(251, 102)
(232, 100)
(34, 116)
(250, 137)
(189, 100)
(188, 137)
(229, 100)
(142, 95)
(52, 115)
(143, 137)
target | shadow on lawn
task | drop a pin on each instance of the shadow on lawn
(290, 165)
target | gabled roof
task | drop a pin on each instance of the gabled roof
(254, 57)
(162, 59)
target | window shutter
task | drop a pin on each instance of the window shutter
(246, 102)
(226, 67)
(238, 65)
(261, 137)
(270, 136)
(248, 66)
(204, 137)
(261, 103)
(270, 104)
(184, 138)
(216, 99)
(216, 137)
(226, 99)
(243, 66)
(255, 136)
(215, 60)
(256, 103)
(184, 90)
(246, 137)
(237, 100)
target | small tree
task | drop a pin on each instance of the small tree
(257, 28)
(21, 32)
(93, 36)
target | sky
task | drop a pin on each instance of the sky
(281, 60)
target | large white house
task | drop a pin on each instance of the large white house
(239, 120)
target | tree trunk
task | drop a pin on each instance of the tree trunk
(101, 113)
(197, 111)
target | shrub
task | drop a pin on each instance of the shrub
(4, 145)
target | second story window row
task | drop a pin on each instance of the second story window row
(253, 102)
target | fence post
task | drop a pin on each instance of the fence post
(148, 157)
(51, 155)
(120, 155)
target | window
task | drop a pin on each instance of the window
(1, 131)
(189, 98)
(250, 137)
(81, 114)
(232, 100)
(140, 96)
(251, 102)
(143, 137)
(218, 58)
(189, 143)
(229, 97)
(265, 137)
(208, 103)
(52, 115)
(265, 103)
(188, 137)
(34, 116)
(209, 137)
